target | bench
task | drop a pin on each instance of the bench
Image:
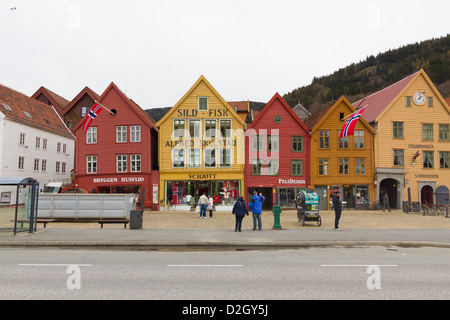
(44, 221)
(125, 222)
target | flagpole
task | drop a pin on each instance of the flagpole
(103, 107)
(354, 112)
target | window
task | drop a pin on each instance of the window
(194, 158)
(324, 139)
(225, 157)
(210, 158)
(135, 133)
(398, 158)
(22, 139)
(297, 143)
(343, 165)
(83, 111)
(28, 114)
(444, 132)
(273, 143)
(256, 167)
(398, 130)
(64, 148)
(63, 167)
(359, 139)
(272, 167)
(91, 135)
(38, 142)
(323, 167)
(202, 103)
(58, 165)
(360, 166)
(194, 128)
(430, 101)
(58, 147)
(444, 160)
(277, 119)
(428, 160)
(296, 167)
(36, 165)
(7, 107)
(178, 158)
(91, 164)
(135, 163)
(210, 129)
(257, 142)
(121, 134)
(121, 163)
(343, 142)
(44, 144)
(408, 101)
(44, 166)
(225, 128)
(21, 163)
(427, 132)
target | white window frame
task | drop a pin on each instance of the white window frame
(121, 134)
(135, 163)
(91, 164)
(135, 133)
(121, 163)
(91, 135)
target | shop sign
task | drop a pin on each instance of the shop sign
(211, 113)
(118, 179)
(291, 181)
(203, 143)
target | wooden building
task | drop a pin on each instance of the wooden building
(277, 154)
(344, 164)
(411, 121)
(201, 148)
(118, 154)
(47, 96)
(78, 107)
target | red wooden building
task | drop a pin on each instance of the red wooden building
(118, 154)
(277, 154)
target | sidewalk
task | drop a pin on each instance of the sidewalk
(182, 230)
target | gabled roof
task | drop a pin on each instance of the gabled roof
(301, 111)
(285, 105)
(316, 120)
(38, 115)
(240, 106)
(56, 100)
(447, 100)
(83, 92)
(187, 94)
(133, 106)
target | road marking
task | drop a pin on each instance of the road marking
(205, 265)
(54, 264)
(358, 265)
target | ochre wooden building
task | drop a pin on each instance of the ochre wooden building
(201, 149)
(412, 140)
(344, 164)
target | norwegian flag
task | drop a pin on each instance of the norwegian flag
(349, 126)
(92, 114)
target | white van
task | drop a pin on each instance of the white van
(53, 187)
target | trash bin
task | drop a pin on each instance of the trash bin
(136, 219)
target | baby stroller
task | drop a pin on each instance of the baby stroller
(307, 204)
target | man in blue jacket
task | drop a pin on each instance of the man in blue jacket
(256, 205)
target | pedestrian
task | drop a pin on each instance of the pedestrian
(386, 202)
(256, 205)
(203, 202)
(336, 199)
(210, 206)
(239, 210)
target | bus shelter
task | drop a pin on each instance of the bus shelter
(19, 215)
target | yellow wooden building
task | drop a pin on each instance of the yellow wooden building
(201, 149)
(345, 164)
(412, 141)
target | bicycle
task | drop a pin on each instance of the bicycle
(376, 206)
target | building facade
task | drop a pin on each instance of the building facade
(412, 141)
(118, 154)
(201, 149)
(277, 155)
(341, 164)
(34, 142)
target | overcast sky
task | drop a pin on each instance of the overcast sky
(155, 50)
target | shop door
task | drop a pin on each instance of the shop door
(427, 195)
(323, 197)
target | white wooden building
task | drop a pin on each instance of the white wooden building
(34, 142)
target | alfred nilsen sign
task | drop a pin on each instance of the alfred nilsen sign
(121, 179)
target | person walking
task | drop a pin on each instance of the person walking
(239, 210)
(386, 202)
(256, 205)
(336, 198)
(203, 202)
(210, 206)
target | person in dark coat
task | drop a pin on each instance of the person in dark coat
(386, 202)
(336, 198)
(239, 210)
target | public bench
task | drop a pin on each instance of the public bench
(44, 221)
(103, 221)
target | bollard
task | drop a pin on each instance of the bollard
(276, 213)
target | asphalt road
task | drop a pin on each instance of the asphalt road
(375, 273)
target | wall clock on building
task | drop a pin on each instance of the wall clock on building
(419, 98)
